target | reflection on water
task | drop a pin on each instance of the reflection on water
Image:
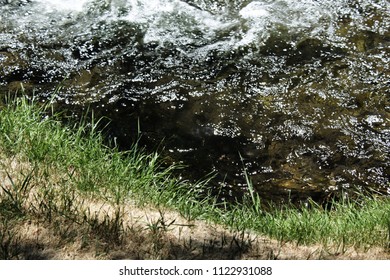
(299, 89)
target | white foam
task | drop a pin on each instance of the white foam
(171, 20)
(254, 10)
(61, 5)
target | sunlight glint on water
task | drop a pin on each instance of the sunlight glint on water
(299, 88)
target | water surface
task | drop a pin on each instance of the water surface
(295, 93)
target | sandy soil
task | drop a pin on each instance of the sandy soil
(154, 234)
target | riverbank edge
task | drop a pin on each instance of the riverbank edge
(64, 181)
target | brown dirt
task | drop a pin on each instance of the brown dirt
(153, 234)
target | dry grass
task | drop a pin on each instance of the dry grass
(34, 240)
(95, 229)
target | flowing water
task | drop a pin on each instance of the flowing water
(294, 93)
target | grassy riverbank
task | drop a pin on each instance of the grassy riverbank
(60, 185)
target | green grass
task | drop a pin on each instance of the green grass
(63, 164)
(347, 224)
(79, 154)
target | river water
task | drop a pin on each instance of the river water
(294, 93)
